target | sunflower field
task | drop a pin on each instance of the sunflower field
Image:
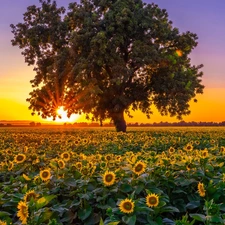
(147, 176)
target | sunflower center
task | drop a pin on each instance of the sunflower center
(45, 174)
(108, 177)
(66, 156)
(127, 205)
(138, 168)
(201, 189)
(60, 164)
(20, 158)
(24, 210)
(152, 200)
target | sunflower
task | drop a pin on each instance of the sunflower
(29, 195)
(188, 147)
(204, 153)
(126, 206)
(222, 149)
(223, 177)
(188, 167)
(2, 222)
(132, 159)
(139, 168)
(61, 164)
(61, 175)
(98, 156)
(10, 165)
(20, 158)
(108, 157)
(152, 200)
(26, 177)
(118, 158)
(65, 156)
(90, 164)
(109, 178)
(197, 142)
(8, 152)
(103, 165)
(85, 171)
(45, 174)
(82, 156)
(171, 150)
(23, 212)
(201, 189)
(25, 149)
(180, 151)
(77, 142)
(79, 165)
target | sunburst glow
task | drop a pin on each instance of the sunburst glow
(62, 116)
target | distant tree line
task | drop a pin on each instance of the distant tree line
(160, 124)
(182, 123)
(32, 124)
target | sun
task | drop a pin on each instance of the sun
(62, 116)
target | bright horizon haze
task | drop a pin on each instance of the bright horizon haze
(206, 18)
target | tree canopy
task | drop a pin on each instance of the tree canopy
(105, 58)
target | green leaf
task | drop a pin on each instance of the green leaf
(161, 204)
(93, 219)
(198, 217)
(129, 220)
(222, 207)
(159, 220)
(101, 222)
(186, 182)
(126, 188)
(10, 203)
(216, 219)
(113, 223)
(41, 202)
(3, 214)
(111, 202)
(60, 209)
(168, 221)
(169, 209)
(70, 182)
(85, 213)
(188, 85)
(46, 215)
(139, 188)
(193, 205)
(179, 191)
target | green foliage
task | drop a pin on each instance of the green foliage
(104, 58)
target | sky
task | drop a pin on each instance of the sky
(206, 18)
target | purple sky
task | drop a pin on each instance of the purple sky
(206, 18)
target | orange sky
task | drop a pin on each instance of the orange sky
(15, 74)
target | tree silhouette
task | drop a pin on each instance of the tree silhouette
(107, 57)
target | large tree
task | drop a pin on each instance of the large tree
(105, 58)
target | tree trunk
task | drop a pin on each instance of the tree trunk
(119, 121)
